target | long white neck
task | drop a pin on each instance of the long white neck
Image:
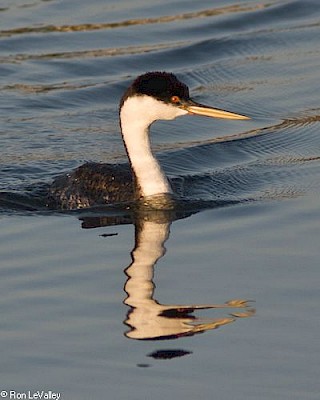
(136, 116)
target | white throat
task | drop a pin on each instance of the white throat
(136, 116)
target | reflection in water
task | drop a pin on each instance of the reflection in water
(148, 319)
(168, 354)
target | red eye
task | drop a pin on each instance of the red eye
(175, 99)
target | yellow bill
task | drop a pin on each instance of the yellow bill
(200, 109)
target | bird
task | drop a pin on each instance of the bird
(152, 96)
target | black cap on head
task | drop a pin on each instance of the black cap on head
(160, 85)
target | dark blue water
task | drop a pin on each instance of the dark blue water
(241, 249)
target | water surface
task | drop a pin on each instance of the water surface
(80, 313)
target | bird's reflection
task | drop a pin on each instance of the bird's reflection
(148, 319)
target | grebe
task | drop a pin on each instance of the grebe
(151, 97)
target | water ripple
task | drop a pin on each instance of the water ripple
(237, 8)
(92, 53)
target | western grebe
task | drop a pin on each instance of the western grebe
(151, 97)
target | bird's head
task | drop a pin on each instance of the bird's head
(160, 95)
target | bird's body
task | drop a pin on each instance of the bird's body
(152, 96)
(92, 184)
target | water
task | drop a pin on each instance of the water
(244, 241)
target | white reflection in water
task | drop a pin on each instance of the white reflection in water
(147, 318)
